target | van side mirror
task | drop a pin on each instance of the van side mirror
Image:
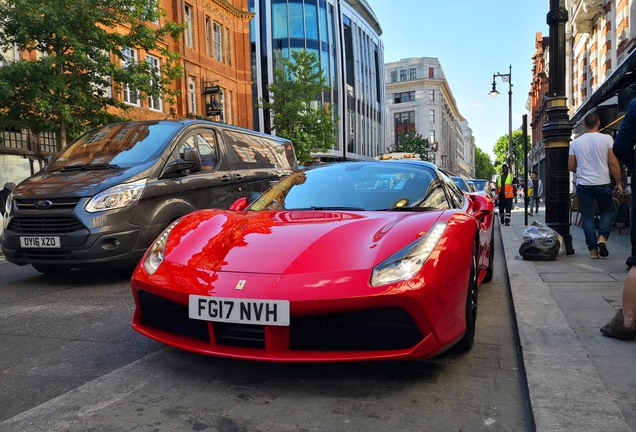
(191, 162)
(192, 155)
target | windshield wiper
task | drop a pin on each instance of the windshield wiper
(414, 209)
(89, 167)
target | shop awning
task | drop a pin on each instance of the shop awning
(621, 83)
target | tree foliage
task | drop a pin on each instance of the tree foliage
(79, 61)
(484, 168)
(412, 142)
(296, 114)
(501, 151)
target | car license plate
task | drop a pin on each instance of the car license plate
(242, 311)
(40, 242)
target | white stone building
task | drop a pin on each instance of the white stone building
(419, 98)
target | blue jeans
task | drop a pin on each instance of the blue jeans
(602, 194)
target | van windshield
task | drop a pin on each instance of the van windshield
(117, 145)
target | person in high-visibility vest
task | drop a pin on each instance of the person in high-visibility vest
(506, 191)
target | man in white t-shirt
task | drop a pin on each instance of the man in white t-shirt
(591, 157)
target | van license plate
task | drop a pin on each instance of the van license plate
(242, 311)
(40, 242)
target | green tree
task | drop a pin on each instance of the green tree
(296, 113)
(412, 142)
(484, 168)
(67, 88)
(501, 151)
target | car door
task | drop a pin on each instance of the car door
(213, 186)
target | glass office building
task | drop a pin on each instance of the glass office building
(345, 34)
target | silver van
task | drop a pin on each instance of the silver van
(105, 197)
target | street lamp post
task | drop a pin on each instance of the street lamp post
(557, 129)
(494, 93)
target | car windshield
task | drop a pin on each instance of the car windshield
(480, 184)
(357, 186)
(117, 145)
(461, 183)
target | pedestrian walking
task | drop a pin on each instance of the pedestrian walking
(506, 192)
(592, 159)
(623, 325)
(4, 194)
(535, 192)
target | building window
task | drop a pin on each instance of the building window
(208, 35)
(413, 73)
(431, 115)
(188, 22)
(431, 73)
(228, 48)
(405, 118)
(431, 95)
(129, 58)
(393, 76)
(431, 137)
(154, 102)
(151, 10)
(218, 42)
(192, 94)
(404, 97)
(403, 75)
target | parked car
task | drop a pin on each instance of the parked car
(103, 199)
(486, 186)
(461, 183)
(324, 266)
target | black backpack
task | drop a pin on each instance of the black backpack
(621, 219)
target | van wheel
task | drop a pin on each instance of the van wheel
(51, 270)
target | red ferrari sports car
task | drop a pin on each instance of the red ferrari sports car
(337, 262)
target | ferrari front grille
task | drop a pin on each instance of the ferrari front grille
(171, 317)
(365, 330)
(45, 225)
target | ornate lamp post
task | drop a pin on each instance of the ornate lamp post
(557, 130)
(494, 93)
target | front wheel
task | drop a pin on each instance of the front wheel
(468, 340)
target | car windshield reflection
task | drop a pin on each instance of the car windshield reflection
(357, 186)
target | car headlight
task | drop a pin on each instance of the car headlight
(155, 254)
(408, 261)
(8, 206)
(116, 197)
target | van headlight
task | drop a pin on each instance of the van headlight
(119, 196)
(8, 206)
(156, 252)
(407, 262)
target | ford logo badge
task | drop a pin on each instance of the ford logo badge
(42, 204)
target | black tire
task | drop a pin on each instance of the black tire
(468, 340)
(491, 264)
(51, 270)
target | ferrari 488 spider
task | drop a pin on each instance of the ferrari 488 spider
(337, 262)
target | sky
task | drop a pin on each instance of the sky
(472, 40)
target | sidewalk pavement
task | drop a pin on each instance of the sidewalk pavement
(578, 379)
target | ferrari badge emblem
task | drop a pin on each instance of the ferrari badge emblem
(240, 284)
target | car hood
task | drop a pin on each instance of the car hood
(288, 242)
(76, 183)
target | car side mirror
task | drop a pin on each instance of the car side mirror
(191, 162)
(239, 205)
